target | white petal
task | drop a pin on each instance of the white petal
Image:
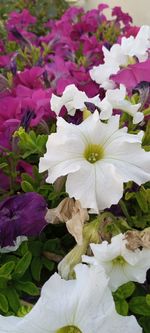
(56, 103)
(107, 192)
(81, 185)
(85, 302)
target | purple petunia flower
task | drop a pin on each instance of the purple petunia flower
(21, 215)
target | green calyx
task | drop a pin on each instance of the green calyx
(93, 153)
(69, 329)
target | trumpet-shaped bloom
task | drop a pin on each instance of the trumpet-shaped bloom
(119, 263)
(98, 158)
(83, 305)
(121, 55)
(115, 99)
(72, 99)
(21, 215)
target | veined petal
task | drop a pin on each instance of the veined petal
(85, 302)
(84, 190)
(107, 192)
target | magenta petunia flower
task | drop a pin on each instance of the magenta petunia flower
(121, 16)
(30, 78)
(21, 20)
(133, 74)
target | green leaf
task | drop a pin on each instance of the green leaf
(31, 143)
(145, 323)
(148, 299)
(36, 267)
(52, 245)
(126, 290)
(129, 195)
(28, 287)
(7, 269)
(138, 305)
(121, 306)
(141, 197)
(48, 264)
(22, 265)
(26, 186)
(13, 298)
(23, 310)
(3, 282)
(3, 165)
(3, 303)
(35, 248)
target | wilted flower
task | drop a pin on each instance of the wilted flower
(136, 239)
(84, 304)
(70, 212)
(21, 215)
(98, 158)
(120, 264)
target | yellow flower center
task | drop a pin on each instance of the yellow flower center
(93, 153)
(69, 329)
(119, 261)
(130, 61)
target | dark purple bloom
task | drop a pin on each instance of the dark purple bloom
(21, 215)
(26, 119)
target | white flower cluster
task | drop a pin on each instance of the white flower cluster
(82, 305)
(97, 157)
(74, 99)
(120, 55)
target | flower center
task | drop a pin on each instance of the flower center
(69, 329)
(93, 153)
(119, 261)
(130, 61)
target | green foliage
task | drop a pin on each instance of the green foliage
(120, 296)
(145, 323)
(30, 143)
(138, 305)
(3, 303)
(21, 272)
(43, 10)
(135, 205)
(22, 265)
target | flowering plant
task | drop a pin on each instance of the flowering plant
(75, 173)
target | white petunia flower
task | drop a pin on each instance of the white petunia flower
(121, 55)
(83, 305)
(98, 158)
(120, 264)
(115, 99)
(14, 247)
(72, 99)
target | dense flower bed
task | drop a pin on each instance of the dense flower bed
(74, 173)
